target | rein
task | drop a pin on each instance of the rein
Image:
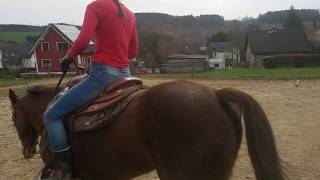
(64, 74)
(59, 83)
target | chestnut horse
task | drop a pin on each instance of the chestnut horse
(183, 130)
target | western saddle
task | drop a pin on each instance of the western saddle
(104, 109)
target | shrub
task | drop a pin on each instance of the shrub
(5, 74)
(296, 61)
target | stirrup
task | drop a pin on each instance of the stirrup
(44, 172)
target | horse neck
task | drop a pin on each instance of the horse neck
(37, 109)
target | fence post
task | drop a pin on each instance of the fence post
(192, 67)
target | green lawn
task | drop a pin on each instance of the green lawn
(237, 73)
(12, 82)
(257, 73)
(19, 37)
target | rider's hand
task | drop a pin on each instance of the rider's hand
(65, 63)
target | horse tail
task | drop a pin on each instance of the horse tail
(260, 139)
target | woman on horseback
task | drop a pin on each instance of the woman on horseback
(113, 27)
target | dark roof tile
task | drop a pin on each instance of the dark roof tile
(279, 41)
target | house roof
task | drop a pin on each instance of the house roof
(69, 31)
(66, 31)
(23, 49)
(221, 46)
(278, 41)
(20, 50)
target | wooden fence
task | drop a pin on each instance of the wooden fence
(187, 65)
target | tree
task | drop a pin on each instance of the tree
(220, 37)
(293, 19)
(31, 38)
(314, 24)
(154, 48)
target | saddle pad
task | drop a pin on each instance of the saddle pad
(104, 111)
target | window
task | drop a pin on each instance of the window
(62, 46)
(13, 54)
(86, 60)
(45, 46)
(83, 60)
(46, 63)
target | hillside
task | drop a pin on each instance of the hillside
(189, 29)
(18, 37)
(20, 28)
(279, 17)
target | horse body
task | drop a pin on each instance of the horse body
(165, 135)
(180, 129)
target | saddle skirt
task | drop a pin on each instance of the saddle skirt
(103, 110)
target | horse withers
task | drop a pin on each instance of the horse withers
(181, 129)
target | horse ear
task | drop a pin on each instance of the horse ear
(13, 97)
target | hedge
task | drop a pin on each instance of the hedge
(296, 61)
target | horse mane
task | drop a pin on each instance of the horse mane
(40, 90)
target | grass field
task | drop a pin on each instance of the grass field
(11, 82)
(19, 37)
(241, 73)
(257, 73)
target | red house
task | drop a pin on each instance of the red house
(53, 45)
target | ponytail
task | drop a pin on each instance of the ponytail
(121, 11)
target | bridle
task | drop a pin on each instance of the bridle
(13, 107)
(14, 120)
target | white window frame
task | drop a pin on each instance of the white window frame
(45, 43)
(62, 42)
(85, 59)
(46, 60)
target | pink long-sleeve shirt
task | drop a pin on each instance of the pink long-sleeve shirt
(115, 37)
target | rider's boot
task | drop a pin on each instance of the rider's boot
(62, 165)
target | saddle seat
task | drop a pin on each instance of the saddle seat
(101, 111)
(114, 86)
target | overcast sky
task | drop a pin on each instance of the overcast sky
(42, 12)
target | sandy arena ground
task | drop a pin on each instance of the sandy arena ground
(294, 113)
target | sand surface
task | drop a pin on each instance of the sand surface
(294, 113)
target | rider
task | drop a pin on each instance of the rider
(113, 27)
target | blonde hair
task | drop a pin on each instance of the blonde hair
(121, 11)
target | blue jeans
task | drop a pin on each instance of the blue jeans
(100, 77)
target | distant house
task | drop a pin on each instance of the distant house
(181, 63)
(1, 66)
(263, 43)
(217, 64)
(27, 61)
(53, 45)
(8, 55)
(15, 56)
(225, 51)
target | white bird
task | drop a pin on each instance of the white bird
(297, 83)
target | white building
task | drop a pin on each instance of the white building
(1, 66)
(225, 51)
(217, 64)
(13, 55)
(27, 60)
